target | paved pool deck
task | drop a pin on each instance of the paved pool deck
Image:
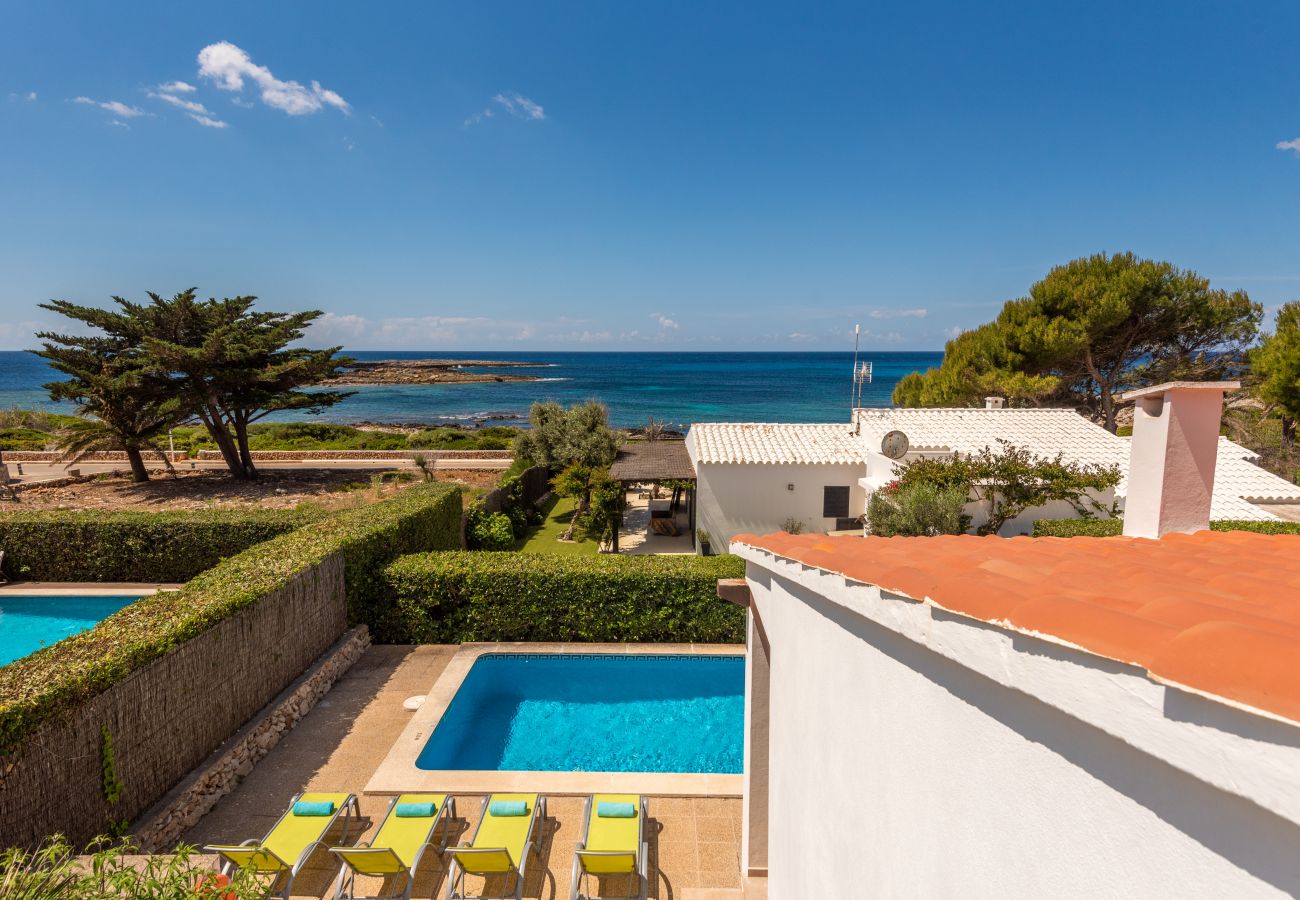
(339, 745)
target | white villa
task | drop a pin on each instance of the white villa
(753, 477)
(967, 716)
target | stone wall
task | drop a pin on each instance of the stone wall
(166, 718)
(310, 455)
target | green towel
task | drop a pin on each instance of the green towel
(616, 810)
(314, 808)
(508, 808)
(415, 810)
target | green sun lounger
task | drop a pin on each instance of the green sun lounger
(398, 847)
(500, 848)
(613, 844)
(291, 840)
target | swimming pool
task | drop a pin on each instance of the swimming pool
(28, 623)
(577, 712)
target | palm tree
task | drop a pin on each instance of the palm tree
(122, 409)
(89, 436)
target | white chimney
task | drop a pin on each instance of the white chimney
(994, 402)
(1171, 461)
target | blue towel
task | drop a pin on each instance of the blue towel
(508, 808)
(415, 810)
(314, 808)
(616, 810)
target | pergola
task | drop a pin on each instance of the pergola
(654, 461)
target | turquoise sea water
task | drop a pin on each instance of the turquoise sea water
(679, 388)
(29, 623)
(594, 713)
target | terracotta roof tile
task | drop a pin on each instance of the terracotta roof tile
(1216, 612)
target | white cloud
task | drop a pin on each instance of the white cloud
(917, 313)
(515, 104)
(1290, 145)
(953, 331)
(799, 337)
(664, 321)
(177, 87)
(116, 107)
(226, 66)
(188, 105)
(194, 109)
(28, 96)
(520, 106)
(331, 327)
(120, 124)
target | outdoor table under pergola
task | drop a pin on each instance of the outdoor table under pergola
(655, 462)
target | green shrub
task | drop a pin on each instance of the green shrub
(25, 439)
(454, 597)
(1078, 527)
(488, 531)
(65, 674)
(917, 510)
(118, 871)
(73, 545)
(498, 437)
(1109, 527)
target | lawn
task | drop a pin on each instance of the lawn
(545, 538)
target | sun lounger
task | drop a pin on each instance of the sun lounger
(613, 844)
(292, 840)
(501, 845)
(398, 847)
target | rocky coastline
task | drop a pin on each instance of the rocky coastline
(430, 371)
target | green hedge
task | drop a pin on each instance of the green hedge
(454, 597)
(70, 672)
(1110, 527)
(71, 545)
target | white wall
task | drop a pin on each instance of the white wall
(750, 498)
(897, 771)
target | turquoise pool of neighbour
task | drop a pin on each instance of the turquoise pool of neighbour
(577, 712)
(30, 622)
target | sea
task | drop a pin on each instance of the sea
(676, 388)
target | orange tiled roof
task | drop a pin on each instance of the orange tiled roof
(1217, 612)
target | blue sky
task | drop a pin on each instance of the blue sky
(642, 176)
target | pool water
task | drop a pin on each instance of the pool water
(594, 713)
(28, 623)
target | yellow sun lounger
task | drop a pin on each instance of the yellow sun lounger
(612, 844)
(398, 846)
(292, 840)
(500, 847)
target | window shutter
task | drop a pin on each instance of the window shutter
(835, 502)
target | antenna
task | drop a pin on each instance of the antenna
(853, 385)
(861, 376)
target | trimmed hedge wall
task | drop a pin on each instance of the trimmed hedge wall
(72, 671)
(71, 545)
(455, 597)
(1111, 527)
